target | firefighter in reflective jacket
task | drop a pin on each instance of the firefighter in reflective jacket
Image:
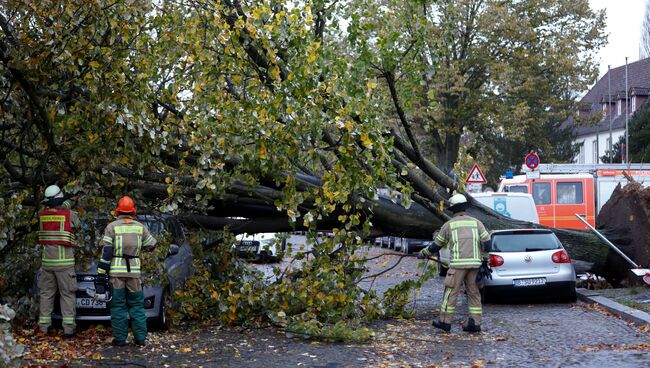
(122, 243)
(57, 225)
(464, 236)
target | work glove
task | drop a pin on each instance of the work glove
(484, 272)
(424, 253)
(103, 267)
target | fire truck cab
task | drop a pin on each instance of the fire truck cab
(558, 197)
(561, 191)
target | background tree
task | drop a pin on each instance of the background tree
(644, 47)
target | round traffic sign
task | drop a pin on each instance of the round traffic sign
(532, 160)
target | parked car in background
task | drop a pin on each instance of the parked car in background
(176, 268)
(518, 206)
(262, 246)
(529, 263)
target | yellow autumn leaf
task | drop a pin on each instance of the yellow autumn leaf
(94, 64)
(168, 180)
(365, 139)
(262, 151)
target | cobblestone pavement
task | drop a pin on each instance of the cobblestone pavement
(519, 335)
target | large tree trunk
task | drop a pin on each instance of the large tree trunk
(625, 221)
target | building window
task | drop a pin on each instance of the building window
(619, 107)
(569, 193)
(594, 151)
(542, 193)
(581, 153)
(633, 104)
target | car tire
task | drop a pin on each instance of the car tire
(572, 297)
(161, 322)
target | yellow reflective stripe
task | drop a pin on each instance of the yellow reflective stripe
(68, 320)
(445, 299)
(475, 310)
(454, 243)
(450, 309)
(441, 240)
(462, 223)
(57, 262)
(61, 252)
(475, 240)
(137, 250)
(44, 320)
(53, 218)
(148, 240)
(457, 262)
(128, 229)
(108, 239)
(118, 245)
(485, 236)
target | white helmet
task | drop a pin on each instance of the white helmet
(457, 199)
(53, 191)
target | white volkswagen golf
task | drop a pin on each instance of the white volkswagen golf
(529, 262)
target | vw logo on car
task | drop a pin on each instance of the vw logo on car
(528, 259)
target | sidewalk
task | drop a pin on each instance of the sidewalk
(632, 304)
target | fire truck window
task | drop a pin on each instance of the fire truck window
(542, 193)
(517, 189)
(569, 193)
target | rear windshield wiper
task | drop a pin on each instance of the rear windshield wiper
(535, 249)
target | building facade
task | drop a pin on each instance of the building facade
(601, 112)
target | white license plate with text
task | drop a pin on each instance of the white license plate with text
(530, 282)
(90, 303)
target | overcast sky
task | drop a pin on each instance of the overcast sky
(624, 19)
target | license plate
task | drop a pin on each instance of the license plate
(530, 282)
(90, 303)
(250, 248)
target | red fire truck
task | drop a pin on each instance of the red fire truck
(561, 191)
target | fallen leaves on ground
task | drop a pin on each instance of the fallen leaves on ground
(43, 350)
(613, 347)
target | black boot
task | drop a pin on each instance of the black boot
(118, 342)
(441, 325)
(472, 326)
(139, 342)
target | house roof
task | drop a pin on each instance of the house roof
(638, 75)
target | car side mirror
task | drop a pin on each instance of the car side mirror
(173, 250)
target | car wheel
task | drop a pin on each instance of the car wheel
(572, 297)
(162, 322)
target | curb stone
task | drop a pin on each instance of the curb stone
(633, 315)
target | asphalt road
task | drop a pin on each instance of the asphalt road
(518, 335)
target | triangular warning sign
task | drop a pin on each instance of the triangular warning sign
(475, 176)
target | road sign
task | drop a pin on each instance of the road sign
(532, 160)
(474, 187)
(475, 176)
(533, 175)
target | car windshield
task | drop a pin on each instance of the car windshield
(524, 242)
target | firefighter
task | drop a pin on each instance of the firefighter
(57, 225)
(464, 236)
(122, 243)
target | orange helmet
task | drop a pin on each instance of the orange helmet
(126, 206)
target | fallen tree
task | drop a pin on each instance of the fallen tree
(272, 116)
